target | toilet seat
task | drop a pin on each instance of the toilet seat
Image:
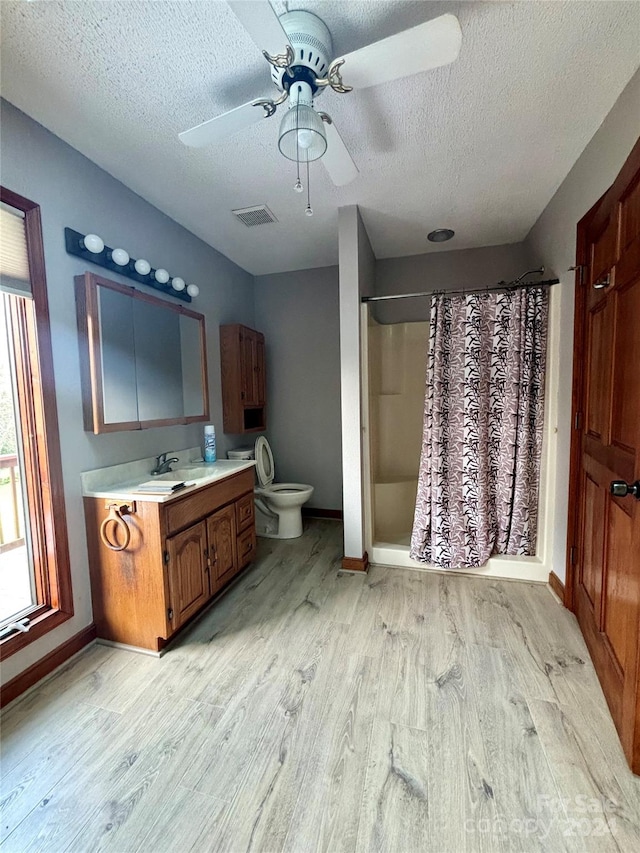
(264, 462)
(278, 505)
(284, 488)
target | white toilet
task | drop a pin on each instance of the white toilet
(278, 505)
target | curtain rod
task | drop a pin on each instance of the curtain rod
(501, 285)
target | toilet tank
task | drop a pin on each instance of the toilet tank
(241, 453)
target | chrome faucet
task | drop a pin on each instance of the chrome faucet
(163, 465)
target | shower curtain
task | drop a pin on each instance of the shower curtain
(482, 436)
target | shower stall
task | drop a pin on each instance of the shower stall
(394, 362)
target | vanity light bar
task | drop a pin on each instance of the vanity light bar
(91, 248)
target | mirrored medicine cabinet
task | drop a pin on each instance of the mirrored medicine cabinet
(143, 359)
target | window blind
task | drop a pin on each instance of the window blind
(14, 260)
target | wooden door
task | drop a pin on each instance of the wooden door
(606, 531)
(221, 532)
(188, 573)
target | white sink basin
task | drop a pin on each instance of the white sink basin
(195, 473)
(200, 473)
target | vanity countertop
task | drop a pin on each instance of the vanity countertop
(121, 482)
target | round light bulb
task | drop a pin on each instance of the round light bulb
(142, 267)
(298, 186)
(193, 290)
(305, 138)
(177, 283)
(309, 211)
(162, 276)
(120, 257)
(93, 243)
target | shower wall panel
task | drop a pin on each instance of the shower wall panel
(397, 367)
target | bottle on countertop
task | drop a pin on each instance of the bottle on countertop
(210, 443)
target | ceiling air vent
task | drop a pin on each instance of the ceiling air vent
(258, 215)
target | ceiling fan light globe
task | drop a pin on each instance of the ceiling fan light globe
(302, 136)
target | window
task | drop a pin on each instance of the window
(35, 581)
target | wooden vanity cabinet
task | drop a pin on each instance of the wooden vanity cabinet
(181, 553)
(242, 369)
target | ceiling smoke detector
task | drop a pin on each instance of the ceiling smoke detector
(440, 235)
(257, 215)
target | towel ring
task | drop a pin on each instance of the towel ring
(116, 519)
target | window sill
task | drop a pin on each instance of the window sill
(43, 620)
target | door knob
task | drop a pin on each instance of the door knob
(620, 489)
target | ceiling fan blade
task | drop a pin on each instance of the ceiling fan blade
(263, 25)
(336, 159)
(429, 45)
(219, 128)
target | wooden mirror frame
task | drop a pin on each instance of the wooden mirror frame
(91, 355)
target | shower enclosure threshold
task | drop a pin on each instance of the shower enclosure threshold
(530, 569)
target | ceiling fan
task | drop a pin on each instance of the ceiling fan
(299, 49)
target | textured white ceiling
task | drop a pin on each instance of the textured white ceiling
(479, 146)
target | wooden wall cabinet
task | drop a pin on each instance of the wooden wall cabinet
(181, 553)
(242, 365)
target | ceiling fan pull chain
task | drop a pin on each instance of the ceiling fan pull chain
(309, 209)
(298, 185)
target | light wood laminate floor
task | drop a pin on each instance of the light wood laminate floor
(312, 710)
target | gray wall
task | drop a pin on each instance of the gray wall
(552, 240)
(74, 192)
(299, 315)
(443, 271)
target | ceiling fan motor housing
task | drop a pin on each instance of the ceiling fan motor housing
(313, 50)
